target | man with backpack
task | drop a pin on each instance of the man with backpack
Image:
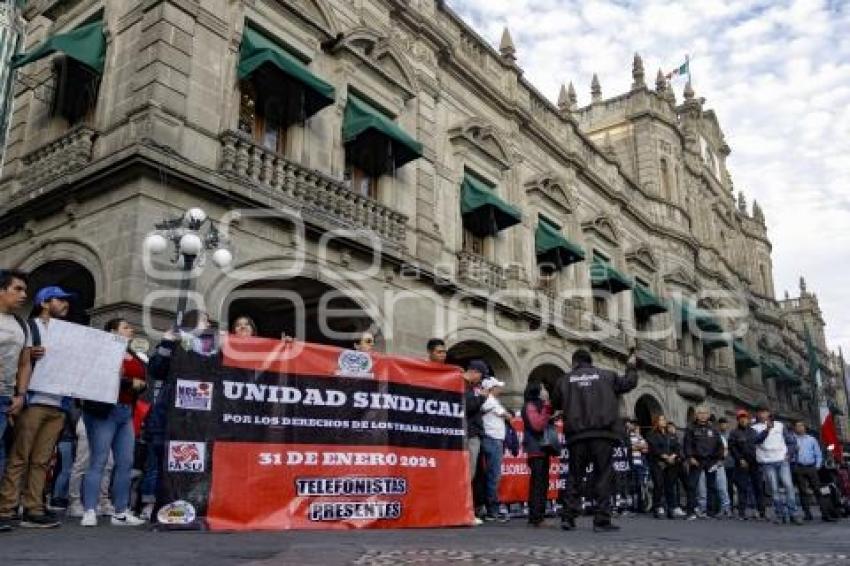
(38, 427)
(14, 355)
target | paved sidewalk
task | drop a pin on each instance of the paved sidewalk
(642, 541)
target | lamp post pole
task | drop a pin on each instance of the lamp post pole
(190, 246)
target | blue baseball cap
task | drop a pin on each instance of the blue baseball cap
(479, 366)
(52, 292)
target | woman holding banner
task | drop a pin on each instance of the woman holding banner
(536, 414)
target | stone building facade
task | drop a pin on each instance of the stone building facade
(494, 212)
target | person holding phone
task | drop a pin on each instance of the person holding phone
(589, 399)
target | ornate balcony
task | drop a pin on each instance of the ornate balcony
(475, 271)
(61, 157)
(322, 200)
(651, 352)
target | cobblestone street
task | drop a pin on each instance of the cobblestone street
(642, 541)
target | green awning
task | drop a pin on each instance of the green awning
(483, 212)
(85, 44)
(743, 357)
(258, 49)
(552, 247)
(373, 141)
(604, 276)
(779, 371)
(645, 301)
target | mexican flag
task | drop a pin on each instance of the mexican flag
(828, 433)
(683, 69)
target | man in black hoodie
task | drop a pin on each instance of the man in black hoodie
(703, 453)
(742, 447)
(588, 397)
(473, 401)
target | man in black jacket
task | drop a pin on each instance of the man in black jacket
(588, 397)
(473, 401)
(742, 446)
(703, 453)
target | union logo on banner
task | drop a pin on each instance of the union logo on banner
(194, 395)
(186, 456)
(352, 363)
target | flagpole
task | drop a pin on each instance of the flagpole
(688, 63)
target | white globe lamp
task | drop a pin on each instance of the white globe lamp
(190, 244)
(195, 215)
(222, 258)
(156, 244)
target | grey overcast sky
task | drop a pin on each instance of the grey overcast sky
(777, 73)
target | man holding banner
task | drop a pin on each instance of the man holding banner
(588, 397)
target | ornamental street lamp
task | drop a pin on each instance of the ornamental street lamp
(191, 242)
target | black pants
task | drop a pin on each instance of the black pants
(664, 478)
(583, 452)
(538, 488)
(749, 481)
(693, 485)
(808, 475)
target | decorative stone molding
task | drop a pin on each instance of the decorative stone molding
(322, 201)
(314, 12)
(484, 138)
(604, 228)
(551, 189)
(683, 279)
(382, 55)
(59, 158)
(643, 256)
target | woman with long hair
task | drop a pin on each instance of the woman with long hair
(665, 459)
(536, 413)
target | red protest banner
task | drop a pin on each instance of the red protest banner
(516, 475)
(272, 436)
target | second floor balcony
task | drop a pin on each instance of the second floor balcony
(63, 156)
(321, 200)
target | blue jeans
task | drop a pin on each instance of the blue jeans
(153, 464)
(66, 457)
(721, 481)
(5, 402)
(115, 433)
(776, 473)
(493, 450)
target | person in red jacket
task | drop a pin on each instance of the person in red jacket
(536, 414)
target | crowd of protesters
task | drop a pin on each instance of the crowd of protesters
(96, 460)
(718, 471)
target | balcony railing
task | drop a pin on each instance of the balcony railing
(475, 271)
(322, 200)
(651, 352)
(61, 157)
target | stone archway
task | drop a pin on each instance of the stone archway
(647, 407)
(301, 307)
(461, 353)
(547, 374)
(72, 277)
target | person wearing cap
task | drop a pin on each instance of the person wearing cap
(38, 428)
(495, 418)
(473, 403)
(589, 399)
(747, 474)
(773, 455)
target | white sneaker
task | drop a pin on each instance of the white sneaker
(89, 519)
(147, 512)
(105, 509)
(126, 519)
(678, 513)
(75, 509)
(476, 522)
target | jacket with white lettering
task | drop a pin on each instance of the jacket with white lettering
(588, 397)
